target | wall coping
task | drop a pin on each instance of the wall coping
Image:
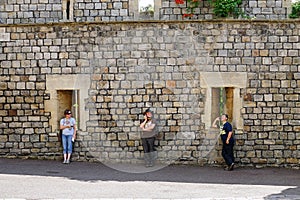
(156, 22)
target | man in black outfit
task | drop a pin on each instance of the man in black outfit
(228, 141)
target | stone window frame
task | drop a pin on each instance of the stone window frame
(134, 9)
(80, 82)
(236, 80)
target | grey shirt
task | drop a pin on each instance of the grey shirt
(153, 132)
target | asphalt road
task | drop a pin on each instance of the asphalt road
(44, 179)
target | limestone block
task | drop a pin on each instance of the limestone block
(292, 97)
(186, 135)
(115, 143)
(122, 136)
(3, 35)
(292, 160)
(3, 138)
(134, 136)
(111, 136)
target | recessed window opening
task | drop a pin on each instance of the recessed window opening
(222, 102)
(67, 6)
(146, 8)
(68, 9)
(68, 99)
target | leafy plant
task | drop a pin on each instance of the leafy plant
(295, 10)
(226, 8)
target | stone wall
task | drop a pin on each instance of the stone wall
(269, 9)
(46, 11)
(258, 9)
(170, 67)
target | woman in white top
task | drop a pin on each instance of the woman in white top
(68, 127)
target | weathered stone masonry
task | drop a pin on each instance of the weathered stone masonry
(162, 65)
(117, 70)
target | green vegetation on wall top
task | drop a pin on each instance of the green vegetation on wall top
(227, 8)
(295, 10)
(221, 8)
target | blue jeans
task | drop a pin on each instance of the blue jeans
(67, 143)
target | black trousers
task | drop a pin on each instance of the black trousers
(148, 144)
(227, 153)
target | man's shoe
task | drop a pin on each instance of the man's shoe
(230, 168)
(65, 162)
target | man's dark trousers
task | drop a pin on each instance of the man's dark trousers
(227, 153)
